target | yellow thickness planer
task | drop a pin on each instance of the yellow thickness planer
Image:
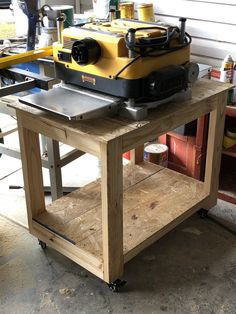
(134, 65)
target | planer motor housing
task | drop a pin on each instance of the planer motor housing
(126, 58)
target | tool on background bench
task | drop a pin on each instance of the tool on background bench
(25, 79)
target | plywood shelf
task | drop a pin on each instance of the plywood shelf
(154, 199)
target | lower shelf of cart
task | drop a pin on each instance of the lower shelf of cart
(156, 199)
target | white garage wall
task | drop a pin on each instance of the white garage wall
(211, 23)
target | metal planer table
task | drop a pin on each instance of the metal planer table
(106, 223)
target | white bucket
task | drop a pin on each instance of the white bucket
(101, 8)
(21, 20)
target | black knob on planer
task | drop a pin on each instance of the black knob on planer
(86, 51)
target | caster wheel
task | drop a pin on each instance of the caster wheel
(116, 285)
(42, 244)
(203, 213)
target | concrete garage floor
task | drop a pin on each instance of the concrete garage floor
(190, 270)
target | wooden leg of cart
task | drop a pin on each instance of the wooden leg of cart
(136, 155)
(32, 171)
(214, 148)
(112, 210)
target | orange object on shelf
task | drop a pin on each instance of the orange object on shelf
(126, 155)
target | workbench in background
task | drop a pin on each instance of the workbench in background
(106, 223)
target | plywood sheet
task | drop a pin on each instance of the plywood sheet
(156, 200)
(69, 211)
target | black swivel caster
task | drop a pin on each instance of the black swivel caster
(203, 213)
(116, 285)
(42, 244)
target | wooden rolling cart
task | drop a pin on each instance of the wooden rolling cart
(106, 223)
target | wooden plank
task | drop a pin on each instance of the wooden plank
(75, 204)
(136, 154)
(78, 255)
(112, 210)
(163, 229)
(162, 198)
(214, 149)
(89, 131)
(8, 130)
(152, 206)
(61, 132)
(74, 220)
(32, 171)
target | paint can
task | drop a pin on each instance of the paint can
(126, 10)
(157, 154)
(146, 12)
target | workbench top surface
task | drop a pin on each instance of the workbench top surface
(166, 116)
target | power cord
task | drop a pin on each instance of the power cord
(149, 47)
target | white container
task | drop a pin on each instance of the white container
(101, 9)
(21, 20)
(47, 37)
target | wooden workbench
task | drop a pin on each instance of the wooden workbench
(106, 223)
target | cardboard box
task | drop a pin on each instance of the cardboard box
(215, 74)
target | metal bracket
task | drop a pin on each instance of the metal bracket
(17, 87)
(134, 113)
(19, 75)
